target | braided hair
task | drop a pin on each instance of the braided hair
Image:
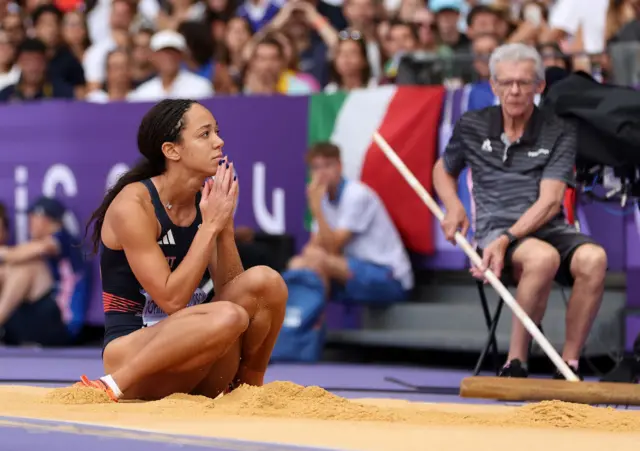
(162, 123)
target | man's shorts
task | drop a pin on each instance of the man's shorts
(38, 322)
(369, 284)
(566, 240)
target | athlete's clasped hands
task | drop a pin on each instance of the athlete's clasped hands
(220, 196)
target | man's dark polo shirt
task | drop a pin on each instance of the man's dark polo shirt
(50, 90)
(506, 176)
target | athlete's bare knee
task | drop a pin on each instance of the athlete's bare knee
(268, 286)
(225, 318)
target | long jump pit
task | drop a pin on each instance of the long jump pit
(287, 416)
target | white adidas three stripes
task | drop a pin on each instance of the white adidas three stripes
(167, 239)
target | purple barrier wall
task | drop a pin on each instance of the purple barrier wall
(74, 150)
(632, 323)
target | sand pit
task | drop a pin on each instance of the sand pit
(288, 413)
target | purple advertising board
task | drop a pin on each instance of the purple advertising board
(632, 319)
(75, 150)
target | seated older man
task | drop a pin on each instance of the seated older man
(44, 294)
(521, 162)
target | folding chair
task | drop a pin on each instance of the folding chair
(492, 321)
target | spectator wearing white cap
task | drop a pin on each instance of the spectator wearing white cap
(447, 15)
(172, 80)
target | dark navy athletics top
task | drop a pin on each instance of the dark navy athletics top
(127, 306)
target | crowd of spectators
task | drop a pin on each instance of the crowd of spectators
(146, 50)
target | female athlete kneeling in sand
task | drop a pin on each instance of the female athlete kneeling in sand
(162, 231)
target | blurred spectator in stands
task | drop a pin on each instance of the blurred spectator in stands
(583, 20)
(259, 12)
(13, 26)
(361, 17)
(552, 56)
(533, 23)
(619, 14)
(174, 12)
(480, 93)
(231, 55)
(332, 11)
(505, 26)
(100, 22)
(45, 293)
(427, 31)
(67, 6)
(141, 65)
(75, 34)
(615, 61)
(482, 47)
(481, 20)
(350, 69)
(311, 34)
(408, 9)
(199, 55)
(224, 9)
(383, 39)
(4, 228)
(120, 20)
(29, 6)
(34, 83)
(355, 248)
(447, 15)
(218, 14)
(118, 84)
(217, 27)
(403, 39)
(292, 73)
(172, 81)
(9, 71)
(265, 68)
(63, 65)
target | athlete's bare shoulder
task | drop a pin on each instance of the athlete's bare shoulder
(133, 199)
(130, 214)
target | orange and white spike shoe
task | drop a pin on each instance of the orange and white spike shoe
(98, 385)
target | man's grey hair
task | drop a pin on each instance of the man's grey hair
(515, 53)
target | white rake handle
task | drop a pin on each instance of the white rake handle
(475, 258)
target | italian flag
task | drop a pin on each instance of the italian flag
(408, 118)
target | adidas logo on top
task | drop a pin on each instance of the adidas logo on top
(167, 239)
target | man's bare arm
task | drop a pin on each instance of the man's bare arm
(547, 206)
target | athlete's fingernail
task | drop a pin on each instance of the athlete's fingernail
(227, 165)
(221, 162)
(235, 177)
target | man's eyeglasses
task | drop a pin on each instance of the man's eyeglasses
(521, 84)
(354, 35)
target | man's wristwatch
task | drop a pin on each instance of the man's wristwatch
(512, 239)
